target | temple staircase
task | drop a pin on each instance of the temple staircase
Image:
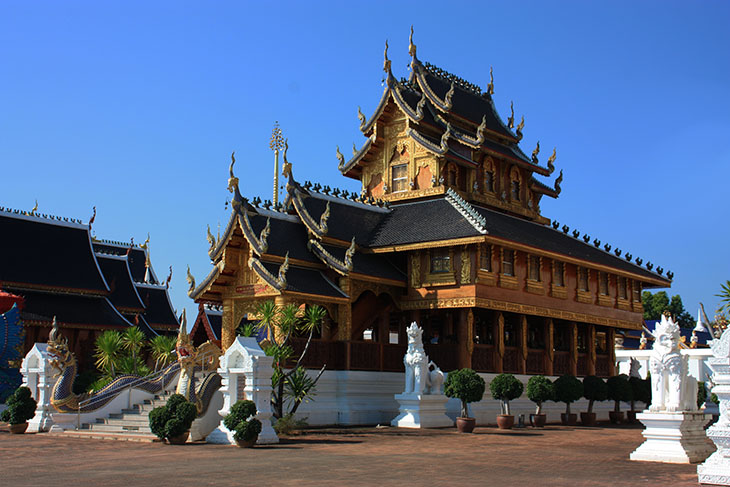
(129, 425)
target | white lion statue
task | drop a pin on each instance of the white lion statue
(672, 388)
(420, 379)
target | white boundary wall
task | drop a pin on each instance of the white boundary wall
(347, 397)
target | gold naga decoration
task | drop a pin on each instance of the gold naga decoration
(535, 153)
(281, 281)
(232, 179)
(350, 253)
(286, 168)
(340, 157)
(551, 160)
(146, 244)
(191, 282)
(480, 130)
(354, 149)
(93, 217)
(559, 180)
(211, 238)
(386, 61)
(520, 126)
(490, 86)
(411, 45)
(35, 208)
(361, 117)
(445, 137)
(324, 217)
(511, 119)
(448, 103)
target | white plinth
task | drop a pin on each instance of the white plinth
(422, 411)
(716, 470)
(673, 438)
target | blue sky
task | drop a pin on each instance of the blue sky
(134, 107)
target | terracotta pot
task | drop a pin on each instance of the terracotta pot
(18, 429)
(568, 419)
(538, 420)
(465, 425)
(246, 444)
(631, 417)
(179, 440)
(505, 421)
(616, 417)
(588, 419)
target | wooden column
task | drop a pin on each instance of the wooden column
(591, 349)
(499, 341)
(611, 339)
(549, 346)
(462, 337)
(573, 347)
(523, 344)
(228, 326)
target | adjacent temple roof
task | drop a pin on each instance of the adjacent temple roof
(62, 271)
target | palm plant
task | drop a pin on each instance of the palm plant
(108, 350)
(163, 350)
(724, 296)
(133, 339)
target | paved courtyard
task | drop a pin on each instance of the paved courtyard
(553, 456)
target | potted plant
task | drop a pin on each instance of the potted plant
(568, 389)
(172, 421)
(21, 408)
(618, 390)
(594, 389)
(467, 386)
(640, 391)
(504, 388)
(241, 421)
(539, 390)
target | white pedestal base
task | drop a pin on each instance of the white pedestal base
(422, 411)
(673, 438)
(716, 470)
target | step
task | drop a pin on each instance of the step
(99, 435)
(143, 421)
(120, 428)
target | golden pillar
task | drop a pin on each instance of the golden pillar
(228, 324)
(499, 342)
(549, 345)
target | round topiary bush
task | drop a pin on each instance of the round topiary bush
(21, 406)
(174, 418)
(504, 388)
(539, 390)
(640, 391)
(594, 389)
(241, 421)
(465, 385)
(619, 390)
(568, 389)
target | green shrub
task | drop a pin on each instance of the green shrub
(640, 390)
(241, 421)
(539, 390)
(701, 394)
(288, 424)
(465, 385)
(594, 389)
(504, 388)
(619, 390)
(568, 389)
(174, 418)
(21, 406)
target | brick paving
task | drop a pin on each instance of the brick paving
(553, 456)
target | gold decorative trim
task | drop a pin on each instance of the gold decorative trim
(508, 282)
(605, 300)
(412, 194)
(584, 297)
(623, 304)
(560, 292)
(486, 277)
(535, 287)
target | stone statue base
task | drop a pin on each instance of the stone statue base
(673, 438)
(716, 470)
(422, 411)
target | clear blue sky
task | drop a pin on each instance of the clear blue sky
(134, 107)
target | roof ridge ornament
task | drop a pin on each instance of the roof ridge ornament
(472, 216)
(340, 157)
(551, 160)
(191, 282)
(481, 129)
(351, 250)
(283, 268)
(448, 103)
(411, 45)
(511, 119)
(386, 61)
(93, 217)
(264, 236)
(445, 137)
(520, 126)
(323, 219)
(361, 117)
(211, 239)
(535, 153)
(421, 105)
(490, 86)
(559, 180)
(35, 208)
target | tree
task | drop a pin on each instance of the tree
(163, 350)
(280, 323)
(655, 304)
(133, 340)
(724, 296)
(108, 350)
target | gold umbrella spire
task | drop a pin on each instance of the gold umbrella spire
(276, 144)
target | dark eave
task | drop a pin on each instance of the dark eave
(72, 311)
(124, 294)
(307, 282)
(158, 307)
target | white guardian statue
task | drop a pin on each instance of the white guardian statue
(672, 388)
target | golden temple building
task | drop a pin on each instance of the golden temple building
(446, 231)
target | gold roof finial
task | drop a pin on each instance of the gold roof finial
(286, 169)
(386, 61)
(35, 208)
(490, 86)
(511, 119)
(191, 281)
(536, 152)
(211, 238)
(551, 160)
(340, 157)
(411, 45)
(520, 127)
(146, 242)
(93, 217)
(232, 180)
(277, 138)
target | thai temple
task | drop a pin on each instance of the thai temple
(54, 267)
(446, 231)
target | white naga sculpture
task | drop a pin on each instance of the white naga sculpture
(672, 388)
(420, 379)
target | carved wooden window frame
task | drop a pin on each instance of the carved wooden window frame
(515, 185)
(636, 303)
(507, 280)
(604, 289)
(558, 289)
(440, 277)
(583, 294)
(486, 275)
(489, 167)
(534, 264)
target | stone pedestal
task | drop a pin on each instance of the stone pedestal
(673, 438)
(39, 377)
(422, 411)
(716, 469)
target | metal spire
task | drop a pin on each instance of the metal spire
(276, 144)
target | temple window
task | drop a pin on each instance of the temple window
(582, 279)
(636, 291)
(510, 334)
(515, 180)
(452, 174)
(440, 261)
(489, 175)
(582, 340)
(399, 177)
(533, 263)
(535, 336)
(603, 283)
(485, 257)
(558, 273)
(622, 288)
(508, 262)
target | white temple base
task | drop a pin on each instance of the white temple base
(673, 438)
(422, 411)
(716, 470)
